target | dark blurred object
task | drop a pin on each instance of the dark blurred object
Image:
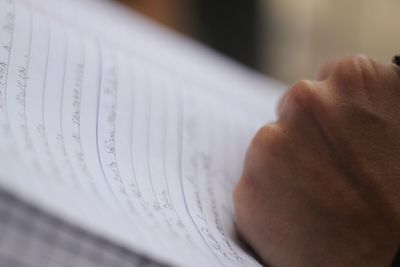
(229, 26)
(172, 13)
(396, 262)
(396, 60)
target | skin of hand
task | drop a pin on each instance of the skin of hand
(321, 185)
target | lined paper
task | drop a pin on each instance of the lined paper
(126, 130)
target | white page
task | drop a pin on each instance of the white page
(6, 35)
(16, 87)
(127, 130)
(7, 26)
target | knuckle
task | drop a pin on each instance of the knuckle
(354, 72)
(300, 97)
(264, 134)
(267, 142)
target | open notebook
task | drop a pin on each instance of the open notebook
(120, 141)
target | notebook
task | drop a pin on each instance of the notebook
(120, 141)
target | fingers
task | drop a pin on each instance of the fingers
(345, 77)
(348, 64)
(354, 68)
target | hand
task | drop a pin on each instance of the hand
(321, 186)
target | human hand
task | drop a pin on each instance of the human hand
(321, 186)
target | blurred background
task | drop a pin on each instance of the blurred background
(285, 39)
